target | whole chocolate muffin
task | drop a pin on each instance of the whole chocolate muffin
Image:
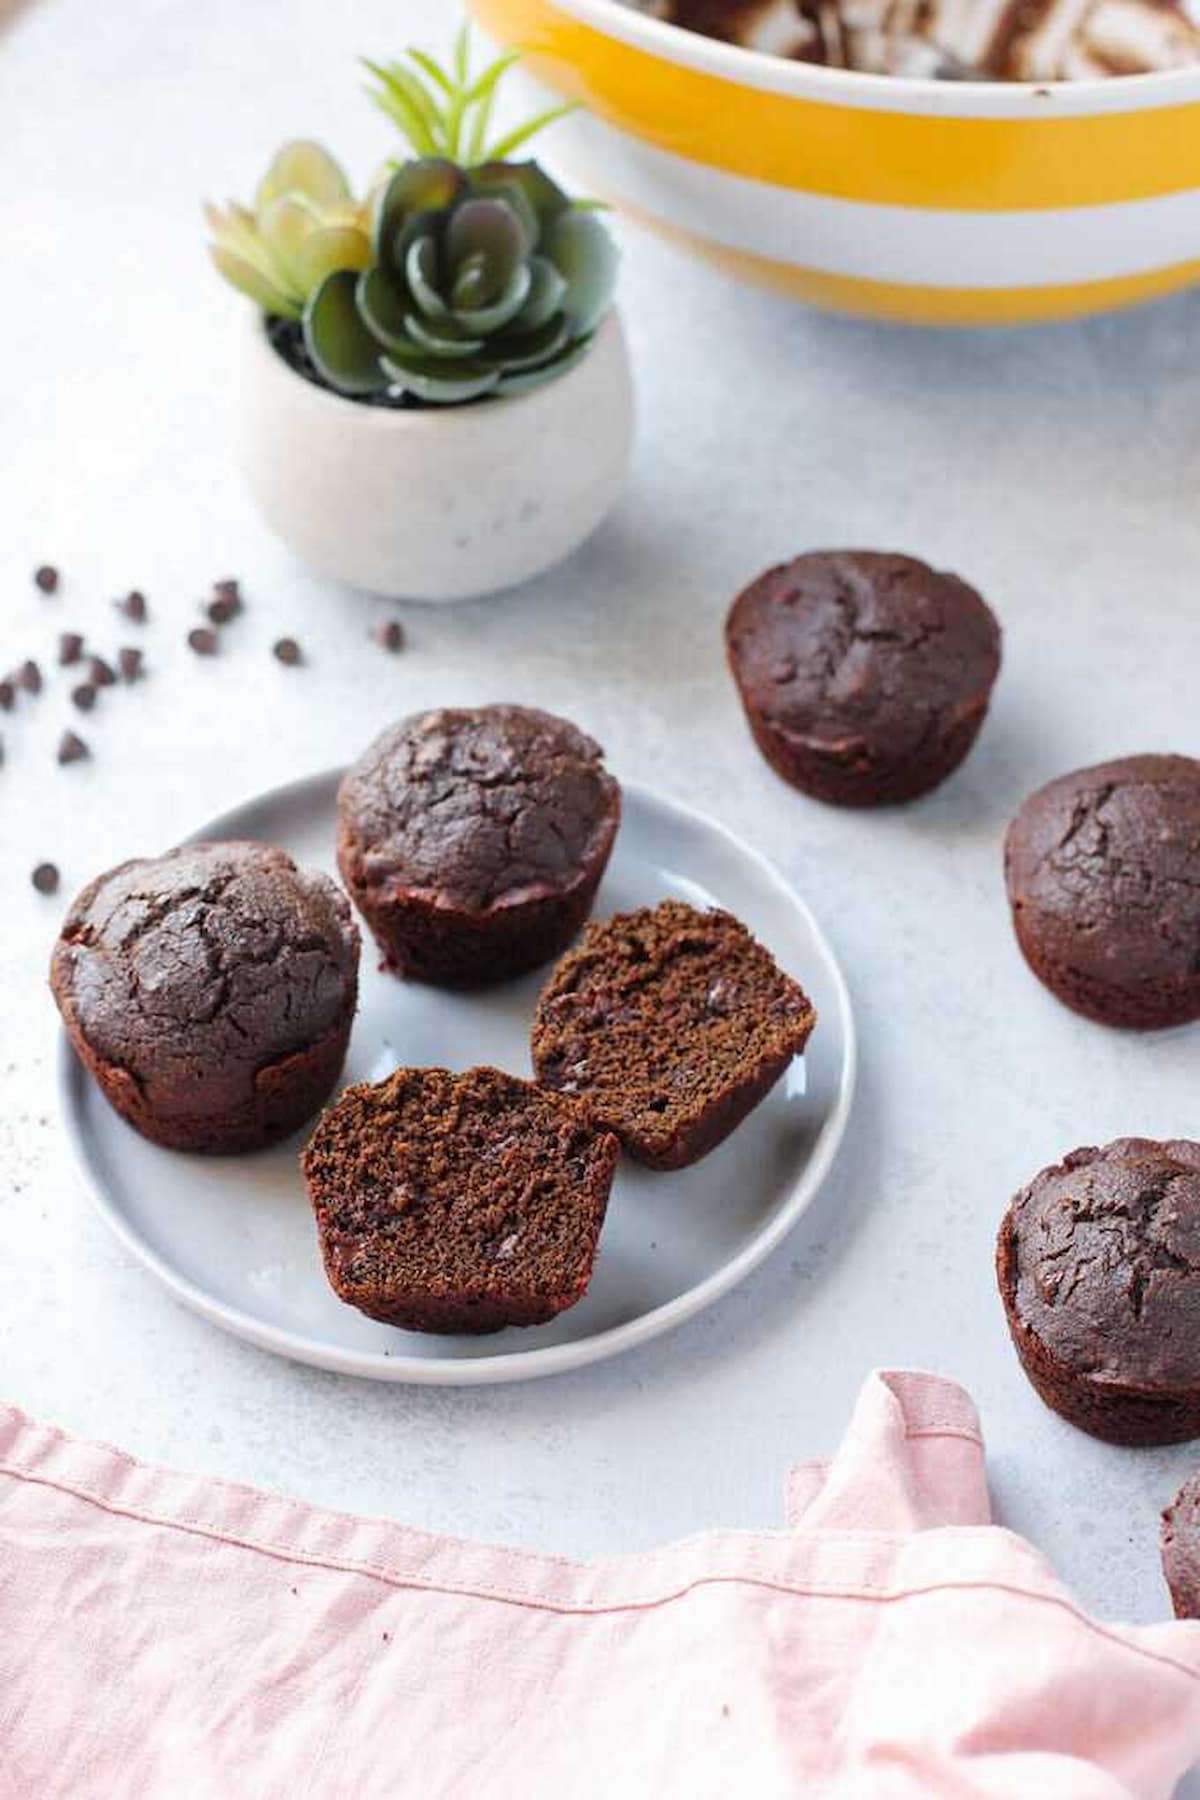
(211, 992)
(865, 677)
(1098, 1262)
(1180, 1544)
(671, 1025)
(458, 1203)
(473, 842)
(1103, 873)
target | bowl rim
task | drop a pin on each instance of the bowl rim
(813, 81)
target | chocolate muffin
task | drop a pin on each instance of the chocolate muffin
(1098, 1262)
(210, 991)
(671, 1025)
(865, 677)
(473, 842)
(458, 1203)
(1180, 1543)
(1103, 873)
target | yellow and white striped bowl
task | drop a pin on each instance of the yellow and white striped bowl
(929, 201)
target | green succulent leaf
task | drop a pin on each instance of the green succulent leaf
(252, 280)
(338, 341)
(531, 349)
(421, 273)
(584, 253)
(483, 320)
(448, 341)
(485, 242)
(530, 129)
(330, 248)
(547, 288)
(381, 305)
(435, 73)
(441, 384)
(544, 197)
(236, 232)
(524, 381)
(283, 225)
(427, 186)
(514, 198)
(303, 167)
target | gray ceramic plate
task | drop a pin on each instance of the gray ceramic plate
(233, 1237)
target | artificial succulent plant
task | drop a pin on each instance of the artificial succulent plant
(465, 273)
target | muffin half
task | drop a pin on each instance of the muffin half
(458, 1203)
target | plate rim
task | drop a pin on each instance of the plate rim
(516, 1365)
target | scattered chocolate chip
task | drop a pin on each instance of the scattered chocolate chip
(129, 661)
(47, 578)
(100, 673)
(45, 878)
(133, 606)
(8, 693)
(389, 635)
(29, 676)
(220, 611)
(203, 641)
(71, 748)
(287, 650)
(228, 589)
(84, 696)
(70, 648)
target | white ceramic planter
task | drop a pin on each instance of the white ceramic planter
(442, 503)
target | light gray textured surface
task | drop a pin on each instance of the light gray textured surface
(1058, 469)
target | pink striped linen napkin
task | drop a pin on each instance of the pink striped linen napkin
(163, 1635)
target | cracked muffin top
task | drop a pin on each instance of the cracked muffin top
(196, 969)
(842, 645)
(479, 808)
(1103, 874)
(1101, 1255)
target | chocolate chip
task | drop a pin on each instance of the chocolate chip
(129, 661)
(29, 676)
(203, 641)
(228, 589)
(70, 648)
(47, 578)
(45, 878)
(71, 748)
(287, 650)
(84, 696)
(8, 693)
(220, 611)
(133, 606)
(389, 635)
(100, 673)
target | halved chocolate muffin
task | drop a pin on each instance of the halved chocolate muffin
(671, 1025)
(473, 841)
(210, 992)
(458, 1203)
